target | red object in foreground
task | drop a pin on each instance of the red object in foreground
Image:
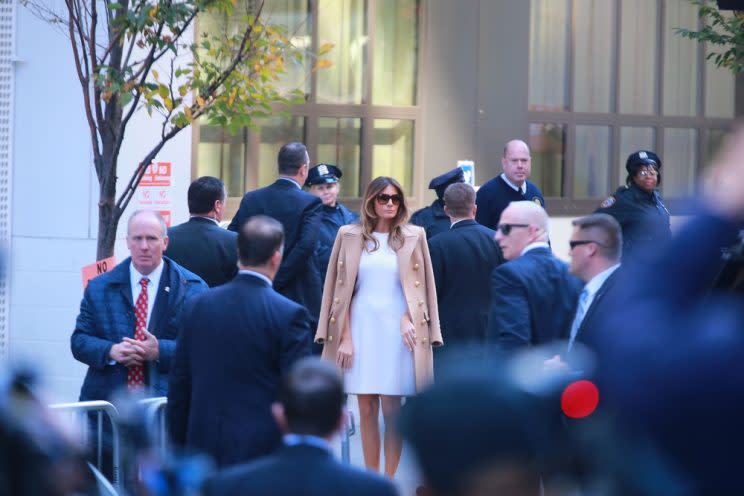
(579, 399)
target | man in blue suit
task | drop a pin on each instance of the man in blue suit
(463, 258)
(533, 296)
(309, 411)
(129, 317)
(236, 343)
(301, 216)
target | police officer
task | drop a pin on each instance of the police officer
(638, 205)
(323, 183)
(432, 218)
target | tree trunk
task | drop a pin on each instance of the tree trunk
(107, 223)
(108, 212)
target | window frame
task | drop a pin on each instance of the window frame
(366, 111)
(567, 205)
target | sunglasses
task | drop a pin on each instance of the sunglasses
(506, 228)
(574, 244)
(648, 172)
(383, 199)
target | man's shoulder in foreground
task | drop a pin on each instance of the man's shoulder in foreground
(314, 472)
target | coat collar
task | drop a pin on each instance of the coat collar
(354, 251)
(464, 223)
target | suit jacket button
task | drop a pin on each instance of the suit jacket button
(340, 282)
(423, 321)
(330, 339)
(341, 263)
(421, 302)
(417, 284)
(335, 300)
(424, 340)
(415, 266)
(333, 320)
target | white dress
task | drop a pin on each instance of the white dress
(381, 363)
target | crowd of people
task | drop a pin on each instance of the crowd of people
(225, 323)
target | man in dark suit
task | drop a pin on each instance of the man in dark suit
(200, 244)
(301, 215)
(310, 413)
(463, 259)
(596, 248)
(129, 317)
(510, 186)
(236, 343)
(533, 296)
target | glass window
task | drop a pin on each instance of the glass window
(392, 154)
(679, 159)
(294, 16)
(342, 23)
(638, 47)
(549, 46)
(275, 132)
(714, 141)
(396, 40)
(547, 147)
(221, 155)
(633, 139)
(594, 35)
(592, 163)
(680, 60)
(719, 90)
(396, 52)
(339, 144)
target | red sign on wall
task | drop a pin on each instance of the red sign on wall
(96, 269)
(157, 174)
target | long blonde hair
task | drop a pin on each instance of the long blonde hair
(368, 218)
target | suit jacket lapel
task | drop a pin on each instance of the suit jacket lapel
(595, 302)
(165, 291)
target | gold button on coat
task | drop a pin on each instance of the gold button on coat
(333, 320)
(340, 282)
(423, 321)
(417, 284)
(415, 266)
(421, 302)
(335, 300)
(341, 263)
(330, 339)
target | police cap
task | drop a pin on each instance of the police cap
(323, 174)
(440, 183)
(639, 159)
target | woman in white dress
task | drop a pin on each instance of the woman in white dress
(385, 356)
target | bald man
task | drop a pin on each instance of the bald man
(511, 186)
(533, 295)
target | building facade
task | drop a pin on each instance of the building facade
(415, 86)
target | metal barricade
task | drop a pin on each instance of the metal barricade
(155, 409)
(349, 430)
(82, 409)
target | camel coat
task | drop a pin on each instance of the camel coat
(416, 278)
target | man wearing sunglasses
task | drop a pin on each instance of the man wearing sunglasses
(596, 246)
(533, 296)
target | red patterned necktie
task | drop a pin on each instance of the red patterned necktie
(136, 374)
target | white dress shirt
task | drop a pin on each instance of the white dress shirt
(536, 244)
(256, 274)
(290, 180)
(522, 188)
(152, 287)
